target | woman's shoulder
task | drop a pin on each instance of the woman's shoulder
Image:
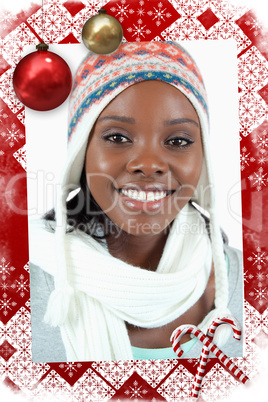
(234, 258)
(40, 279)
(235, 277)
(47, 343)
(41, 244)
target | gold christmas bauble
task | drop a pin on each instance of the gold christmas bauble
(102, 33)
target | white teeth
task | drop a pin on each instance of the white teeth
(135, 194)
(131, 192)
(160, 194)
(150, 196)
(143, 195)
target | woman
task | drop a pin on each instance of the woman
(134, 256)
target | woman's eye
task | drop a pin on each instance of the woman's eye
(116, 138)
(179, 142)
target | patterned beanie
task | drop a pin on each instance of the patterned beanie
(98, 80)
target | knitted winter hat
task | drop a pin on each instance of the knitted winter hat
(98, 80)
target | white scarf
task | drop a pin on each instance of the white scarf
(108, 292)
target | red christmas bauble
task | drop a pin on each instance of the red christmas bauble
(42, 80)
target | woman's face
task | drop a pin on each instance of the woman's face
(144, 157)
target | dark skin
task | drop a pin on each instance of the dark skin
(147, 140)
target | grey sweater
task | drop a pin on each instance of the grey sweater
(47, 344)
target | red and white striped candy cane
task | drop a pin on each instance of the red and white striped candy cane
(192, 329)
(200, 371)
(227, 319)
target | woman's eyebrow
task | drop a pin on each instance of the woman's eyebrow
(131, 120)
(123, 119)
(180, 121)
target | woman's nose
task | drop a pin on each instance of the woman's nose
(147, 163)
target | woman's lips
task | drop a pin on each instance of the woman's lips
(141, 200)
(144, 196)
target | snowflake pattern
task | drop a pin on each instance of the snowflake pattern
(136, 391)
(123, 10)
(143, 20)
(159, 14)
(248, 276)
(102, 380)
(116, 372)
(21, 286)
(178, 385)
(6, 304)
(7, 93)
(252, 71)
(12, 135)
(20, 156)
(254, 25)
(3, 117)
(70, 368)
(258, 179)
(156, 370)
(139, 30)
(261, 141)
(252, 109)
(245, 158)
(14, 288)
(17, 40)
(258, 258)
(215, 381)
(260, 295)
(5, 269)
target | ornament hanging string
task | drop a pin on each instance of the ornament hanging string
(42, 34)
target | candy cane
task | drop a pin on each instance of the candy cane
(200, 371)
(191, 329)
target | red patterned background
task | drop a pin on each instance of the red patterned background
(159, 380)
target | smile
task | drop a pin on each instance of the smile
(145, 196)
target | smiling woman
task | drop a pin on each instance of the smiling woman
(138, 249)
(146, 155)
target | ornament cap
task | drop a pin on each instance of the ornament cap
(42, 46)
(102, 11)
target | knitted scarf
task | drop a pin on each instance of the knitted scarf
(109, 292)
